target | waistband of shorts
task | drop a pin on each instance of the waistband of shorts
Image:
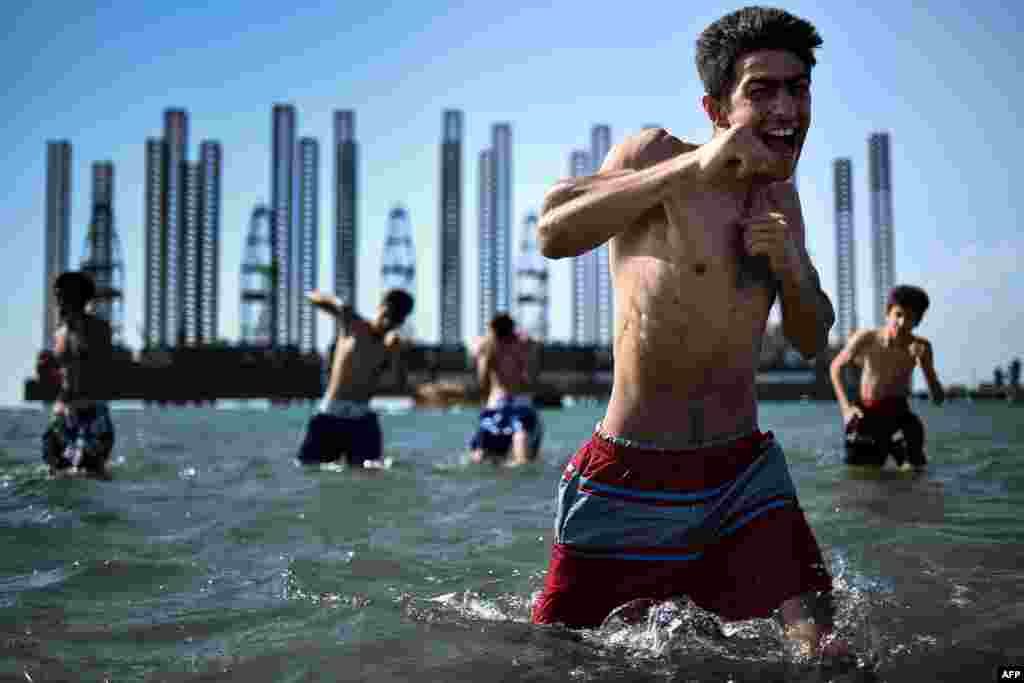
(513, 401)
(690, 470)
(889, 405)
(344, 408)
(83, 407)
(638, 445)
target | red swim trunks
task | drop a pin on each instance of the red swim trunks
(721, 525)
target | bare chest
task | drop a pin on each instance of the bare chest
(889, 363)
(691, 257)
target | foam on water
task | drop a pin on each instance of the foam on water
(211, 550)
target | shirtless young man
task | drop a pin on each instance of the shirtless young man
(678, 492)
(344, 426)
(80, 436)
(509, 420)
(888, 356)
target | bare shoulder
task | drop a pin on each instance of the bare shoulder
(922, 342)
(394, 341)
(646, 148)
(862, 340)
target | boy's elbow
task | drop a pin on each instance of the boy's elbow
(548, 239)
(550, 230)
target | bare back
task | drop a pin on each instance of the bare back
(507, 365)
(690, 313)
(82, 351)
(360, 357)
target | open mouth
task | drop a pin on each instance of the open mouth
(780, 140)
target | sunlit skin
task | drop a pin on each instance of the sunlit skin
(690, 309)
(82, 345)
(503, 371)
(888, 356)
(691, 304)
(362, 351)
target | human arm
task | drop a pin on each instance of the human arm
(775, 230)
(581, 213)
(532, 370)
(394, 344)
(484, 363)
(921, 350)
(332, 305)
(849, 354)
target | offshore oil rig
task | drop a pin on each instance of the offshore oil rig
(182, 359)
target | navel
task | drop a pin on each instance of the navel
(700, 268)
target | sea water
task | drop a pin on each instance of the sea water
(211, 556)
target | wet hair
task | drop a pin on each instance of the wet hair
(399, 303)
(76, 286)
(746, 30)
(503, 326)
(913, 299)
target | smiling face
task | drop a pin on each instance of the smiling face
(899, 322)
(771, 93)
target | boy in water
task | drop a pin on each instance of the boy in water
(678, 492)
(80, 436)
(888, 356)
(345, 426)
(510, 429)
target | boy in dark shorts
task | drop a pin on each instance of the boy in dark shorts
(80, 435)
(510, 430)
(881, 423)
(345, 427)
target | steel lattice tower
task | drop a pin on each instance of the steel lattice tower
(155, 330)
(450, 220)
(532, 283)
(101, 257)
(281, 208)
(208, 242)
(584, 272)
(346, 197)
(600, 144)
(846, 271)
(880, 178)
(485, 223)
(501, 148)
(308, 162)
(258, 281)
(175, 169)
(58, 230)
(189, 255)
(398, 262)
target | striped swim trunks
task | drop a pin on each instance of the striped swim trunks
(719, 524)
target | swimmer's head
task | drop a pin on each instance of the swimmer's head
(73, 290)
(905, 308)
(503, 326)
(394, 308)
(756, 64)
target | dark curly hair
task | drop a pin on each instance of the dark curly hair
(503, 326)
(76, 286)
(747, 30)
(400, 303)
(912, 298)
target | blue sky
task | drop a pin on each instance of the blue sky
(942, 78)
